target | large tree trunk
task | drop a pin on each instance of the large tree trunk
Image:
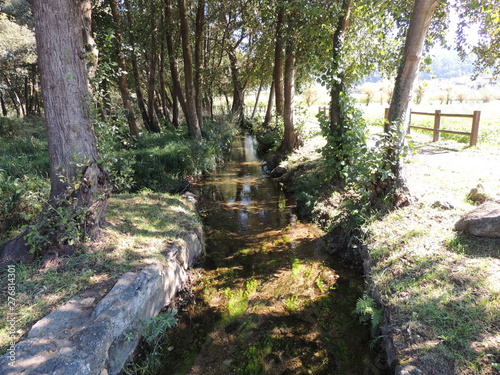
(395, 127)
(122, 79)
(291, 138)
(278, 63)
(76, 179)
(192, 116)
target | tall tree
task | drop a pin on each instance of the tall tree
(122, 78)
(198, 58)
(135, 68)
(192, 116)
(278, 62)
(395, 126)
(76, 177)
(153, 60)
(177, 92)
(291, 139)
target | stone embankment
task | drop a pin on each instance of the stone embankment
(82, 337)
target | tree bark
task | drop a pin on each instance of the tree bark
(270, 105)
(192, 115)
(395, 127)
(122, 79)
(2, 104)
(338, 85)
(238, 106)
(291, 138)
(89, 41)
(198, 59)
(257, 99)
(420, 21)
(135, 69)
(153, 120)
(278, 63)
(177, 92)
(75, 175)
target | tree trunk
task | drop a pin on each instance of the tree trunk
(135, 69)
(270, 105)
(192, 115)
(76, 178)
(395, 127)
(174, 68)
(2, 104)
(89, 41)
(153, 120)
(291, 139)
(257, 99)
(238, 106)
(16, 101)
(163, 91)
(198, 59)
(122, 79)
(338, 85)
(278, 63)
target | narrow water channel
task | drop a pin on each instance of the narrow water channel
(268, 299)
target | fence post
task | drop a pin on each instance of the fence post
(437, 125)
(475, 127)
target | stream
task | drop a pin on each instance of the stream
(268, 299)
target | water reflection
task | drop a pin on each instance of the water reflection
(241, 192)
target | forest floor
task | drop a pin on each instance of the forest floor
(440, 288)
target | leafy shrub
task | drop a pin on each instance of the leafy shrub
(24, 167)
(163, 160)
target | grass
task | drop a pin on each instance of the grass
(440, 288)
(140, 228)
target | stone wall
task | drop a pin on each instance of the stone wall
(81, 337)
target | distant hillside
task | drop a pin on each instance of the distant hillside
(447, 64)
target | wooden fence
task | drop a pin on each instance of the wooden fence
(473, 134)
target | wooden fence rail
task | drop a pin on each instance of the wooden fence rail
(473, 134)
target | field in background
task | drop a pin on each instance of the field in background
(451, 96)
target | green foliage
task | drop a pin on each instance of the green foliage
(269, 138)
(114, 142)
(24, 166)
(254, 355)
(158, 325)
(163, 160)
(368, 312)
(347, 143)
(61, 223)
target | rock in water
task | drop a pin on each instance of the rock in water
(483, 221)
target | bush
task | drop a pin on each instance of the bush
(163, 161)
(24, 168)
